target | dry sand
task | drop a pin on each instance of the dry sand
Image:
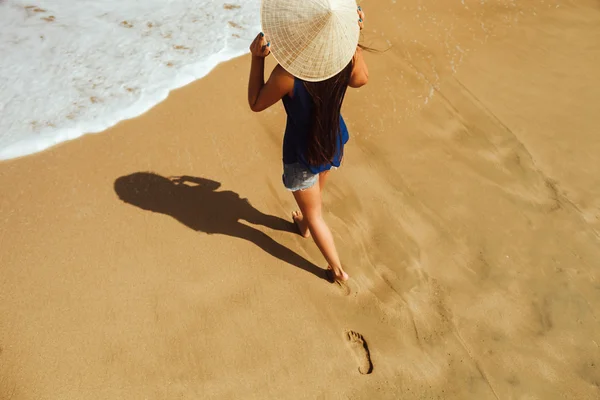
(467, 213)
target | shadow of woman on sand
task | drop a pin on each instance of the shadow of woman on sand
(196, 203)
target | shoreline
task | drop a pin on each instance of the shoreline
(32, 145)
(142, 53)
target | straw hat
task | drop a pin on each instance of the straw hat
(312, 39)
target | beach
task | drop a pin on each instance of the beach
(467, 214)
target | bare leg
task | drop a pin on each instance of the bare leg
(322, 179)
(297, 216)
(309, 202)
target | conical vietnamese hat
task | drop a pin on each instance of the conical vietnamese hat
(311, 39)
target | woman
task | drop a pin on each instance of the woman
(315, 133)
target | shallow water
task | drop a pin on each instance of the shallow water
(69, 68)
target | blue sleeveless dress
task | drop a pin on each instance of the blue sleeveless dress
(298, 109)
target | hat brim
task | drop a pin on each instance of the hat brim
(313, 40)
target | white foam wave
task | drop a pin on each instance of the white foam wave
(74, 67)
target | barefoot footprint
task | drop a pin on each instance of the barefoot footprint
(359, 348)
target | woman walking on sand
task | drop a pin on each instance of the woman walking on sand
(316, 45)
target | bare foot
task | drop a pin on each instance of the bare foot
(301, 224)
(342, 283)
(333, 277)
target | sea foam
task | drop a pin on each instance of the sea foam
(73, 67)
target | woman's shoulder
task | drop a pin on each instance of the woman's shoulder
(281, 73)
(284, 79)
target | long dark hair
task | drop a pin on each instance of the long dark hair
(324, 135)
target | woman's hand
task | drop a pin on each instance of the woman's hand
(361, 18)
(260, 47)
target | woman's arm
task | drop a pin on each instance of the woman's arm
(360, 72)
(263, 95)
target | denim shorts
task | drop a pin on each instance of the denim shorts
(297, 177)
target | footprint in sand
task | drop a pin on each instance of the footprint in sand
(359, 348)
